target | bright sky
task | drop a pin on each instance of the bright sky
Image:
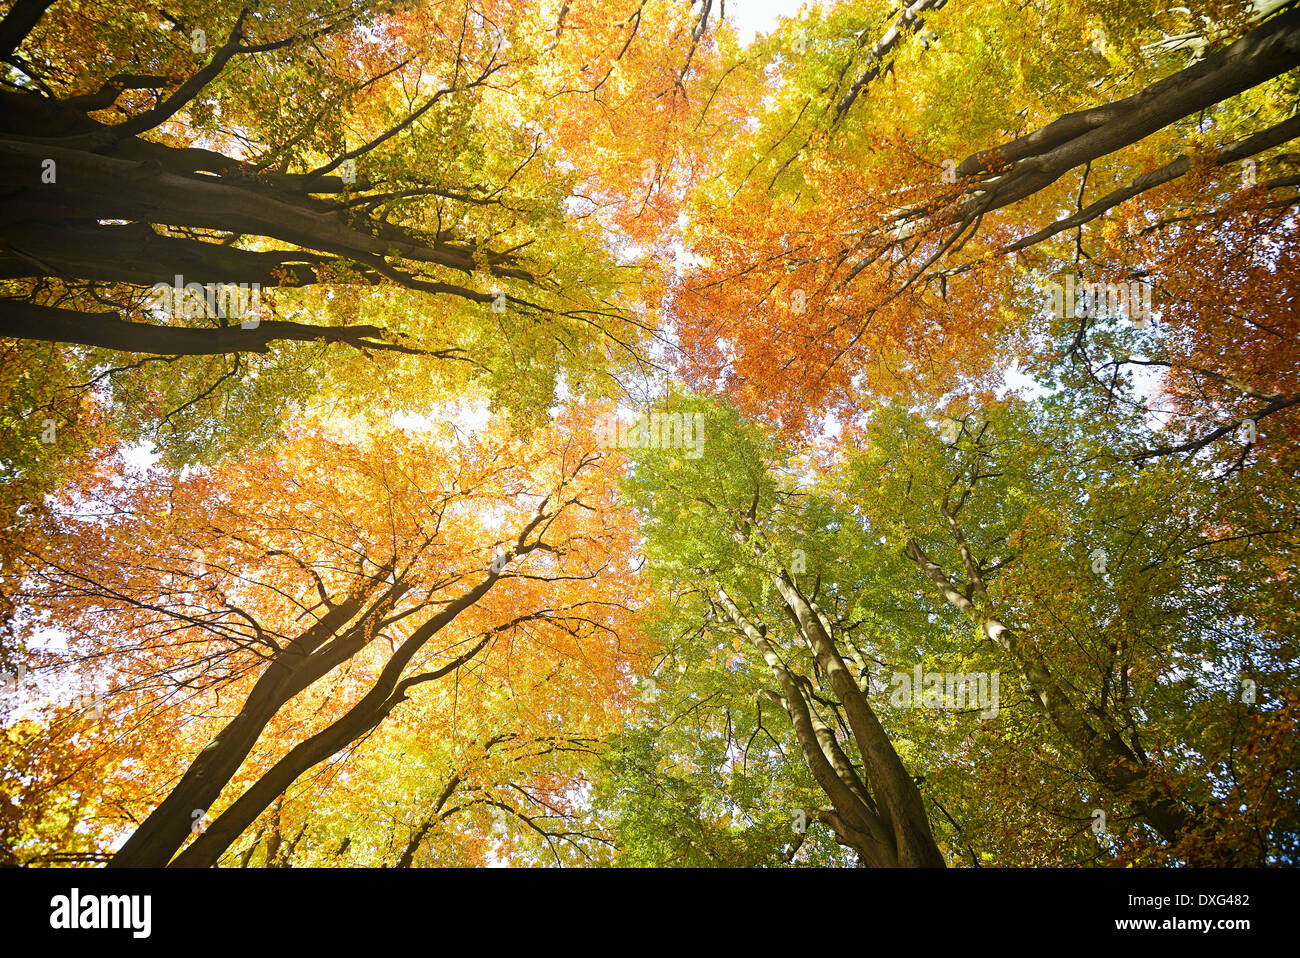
(752, 17)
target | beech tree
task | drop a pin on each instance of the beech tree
(327, 541)
(381, 171)
(1120, 630)
(125, 203)
(718, 525)
(892, 246)
(315, 606)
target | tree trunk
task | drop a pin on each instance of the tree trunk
(885, 771)
(109, 331)
(1110, 761)
(158, 837)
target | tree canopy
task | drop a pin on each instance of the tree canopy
(602, 433)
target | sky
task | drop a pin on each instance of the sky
(752, 17)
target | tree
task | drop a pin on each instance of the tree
(403, 200)
(96, 201)
(843, 258)
(717, 522)
(958, 526)
(378, 177)
(321, 599)
(1112, 590)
